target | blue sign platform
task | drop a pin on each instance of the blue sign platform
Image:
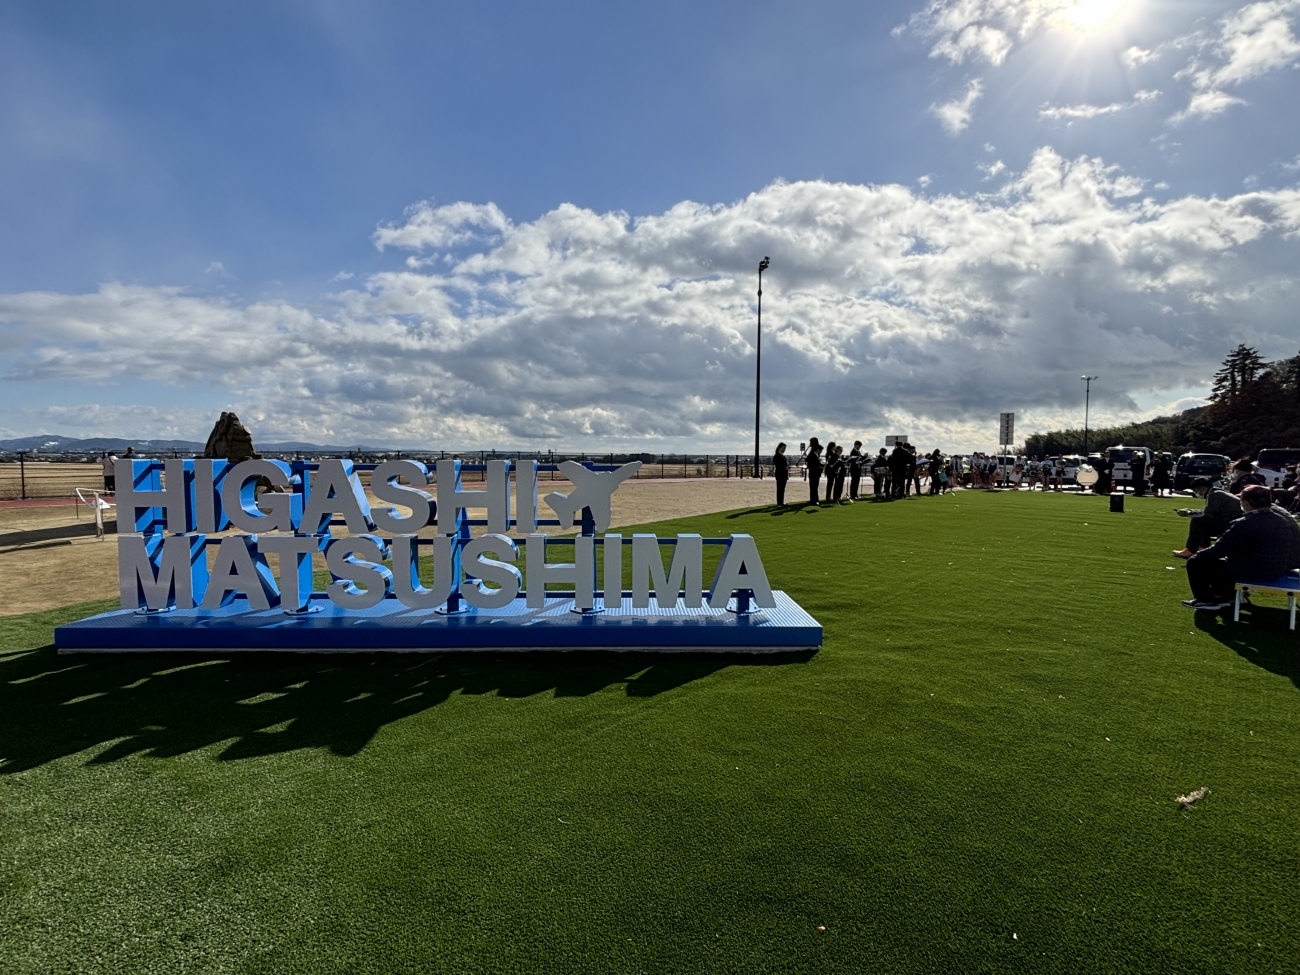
(390, 626)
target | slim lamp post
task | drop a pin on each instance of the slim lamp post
(1087, 397)
(758, 366)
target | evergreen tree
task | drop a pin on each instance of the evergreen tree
(1240, 368)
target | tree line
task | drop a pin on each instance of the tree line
(1253, 404)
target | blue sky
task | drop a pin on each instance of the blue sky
(365, 206)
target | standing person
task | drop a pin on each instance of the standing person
(855, 470)
(897, 471)
(1138, 466)
(1103, 470)
(880, 474)
(1162, 475)
(936, 468)
(781, 470)
(110, 472)
(913, 471)
(813, 460)
(834, 471)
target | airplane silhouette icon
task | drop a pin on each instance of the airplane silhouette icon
(591, 489)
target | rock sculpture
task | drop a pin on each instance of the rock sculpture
(230, 440)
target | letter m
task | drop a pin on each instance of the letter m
(685, 572)
(157, 572)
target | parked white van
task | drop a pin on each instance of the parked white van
(1126, 461)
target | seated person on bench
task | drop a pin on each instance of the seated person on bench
(1260, 546)
(1221, 509)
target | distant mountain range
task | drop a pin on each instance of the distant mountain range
(70, 445)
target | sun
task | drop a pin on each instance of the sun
(1088, 16)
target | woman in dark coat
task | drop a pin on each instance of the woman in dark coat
(813, 461)
(841, 471)
(832, 469)
(781, 468)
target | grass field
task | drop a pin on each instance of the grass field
(975, 774)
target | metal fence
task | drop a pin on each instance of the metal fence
(52, 476)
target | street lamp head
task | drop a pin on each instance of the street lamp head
(763, 264)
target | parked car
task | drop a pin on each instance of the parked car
(1273, 462)
(1125, 462)
(1191, 466)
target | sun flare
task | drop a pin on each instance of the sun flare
(1088, 16)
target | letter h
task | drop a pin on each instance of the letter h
(452, 500)
(140, 486)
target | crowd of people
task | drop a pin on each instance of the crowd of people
(1245, 532)
(895, 474)
(837, 476)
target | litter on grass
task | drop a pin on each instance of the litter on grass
(1192, 798)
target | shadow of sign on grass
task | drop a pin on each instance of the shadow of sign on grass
(1262, 637)
(170, 704)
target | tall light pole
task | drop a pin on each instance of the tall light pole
(1087, 396)
(758, 366)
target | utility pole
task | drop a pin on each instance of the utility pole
(1087, 397)
(758, 367)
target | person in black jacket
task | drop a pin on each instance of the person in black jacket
(936, 465)
(855, 469)
(834, 471)
(1221, 509)
(1261, 545)
(813, 461)
(1245, 476)
(781, 468)
(880, 474)
(898, 471)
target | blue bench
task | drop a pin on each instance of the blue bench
(1288, 584)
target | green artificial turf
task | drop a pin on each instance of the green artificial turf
(975, 774)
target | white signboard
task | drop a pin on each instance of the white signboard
(895, 440)
(1006, 428)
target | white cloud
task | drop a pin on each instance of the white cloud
(1080, 111)
(1135, 56)
(984, 28)
(1292, 166)
(988, 42)
(445, 226)
(1251, 41)
(580, 328)
(1092, 111)
(991, 169)
(956, 114)
(1207, 103)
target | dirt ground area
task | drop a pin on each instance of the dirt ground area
(45, 575)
